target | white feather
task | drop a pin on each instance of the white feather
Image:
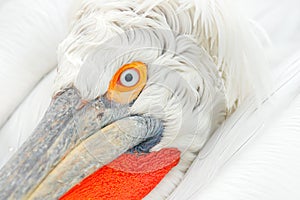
(25, 118)
(213, 25)
(255, 154)
(30, 32)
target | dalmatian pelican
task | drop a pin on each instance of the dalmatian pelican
(165, 99)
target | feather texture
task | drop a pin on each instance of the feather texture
(232, 44)
(214, 25)
(28, 46)
(25, 118)
(255, 154)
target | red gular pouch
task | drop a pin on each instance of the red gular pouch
(130, 176)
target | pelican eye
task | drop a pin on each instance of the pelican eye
(129, 77)
(128, 82)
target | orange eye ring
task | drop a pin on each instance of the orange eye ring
(127, 82)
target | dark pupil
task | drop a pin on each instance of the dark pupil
(128, 77)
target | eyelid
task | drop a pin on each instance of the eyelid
(126, 94)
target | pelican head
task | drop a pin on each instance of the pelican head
(133, 77)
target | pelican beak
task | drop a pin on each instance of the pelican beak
(73, 139)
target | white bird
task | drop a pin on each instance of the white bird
(203, 62)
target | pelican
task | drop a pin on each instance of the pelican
(165, 99)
